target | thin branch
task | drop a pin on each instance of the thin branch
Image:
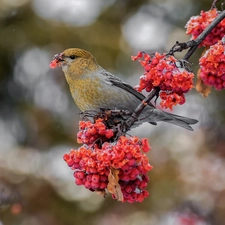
(214, 3)
(204, 34)
(193, 44)
(180, 46)
(134, 117)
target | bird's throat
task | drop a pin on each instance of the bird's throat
(85, 92)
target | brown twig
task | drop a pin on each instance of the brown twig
(134, 117)
(193, 44)
(204, 34)
(214, 3)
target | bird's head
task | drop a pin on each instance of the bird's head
(75, 61)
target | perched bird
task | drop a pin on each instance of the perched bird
(93, 87)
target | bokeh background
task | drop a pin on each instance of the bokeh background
(39, 120)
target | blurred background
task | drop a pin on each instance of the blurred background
(39, 120)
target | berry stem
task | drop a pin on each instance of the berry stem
(214, 3)
(203, 35)
(134, 117)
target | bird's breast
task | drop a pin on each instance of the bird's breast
(85, 93)
(93, 93)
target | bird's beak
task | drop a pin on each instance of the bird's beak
(58, 60)
(59, 57)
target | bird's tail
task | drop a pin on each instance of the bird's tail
(181, 121)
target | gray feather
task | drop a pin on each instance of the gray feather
(150, 113)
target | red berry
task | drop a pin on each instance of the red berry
(124, 177)
(142, 185)
(126, 195)
(145, 145)
(109, 134)
(130, 200)
(53, 64)
(79, 181)
(103, 178)
(125, 167)
(133, 196)
(141, 169)
(129, 155)
(131, 162)
(103, 185)
(76, 166)
(113, 196)
(145, 193)
(94, 185)
(128, 189)
(89, 177)
(87, 184)
(137, 182)
(95, 178)
(140, 197)
(80, 174)
(93, 170)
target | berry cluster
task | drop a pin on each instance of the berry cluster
(92, 165)
(91, 132)
(167, 73)
(212, 64)
(189, 218)
(197, 24)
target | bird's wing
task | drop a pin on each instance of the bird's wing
(119, 83)
(155, 114)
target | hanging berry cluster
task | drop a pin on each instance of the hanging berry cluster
(119, 167)
(197, 24)
(89, 133)
(212, 64)
(167, 73)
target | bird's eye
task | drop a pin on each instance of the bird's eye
(72, 56)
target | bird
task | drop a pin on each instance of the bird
(94, 88)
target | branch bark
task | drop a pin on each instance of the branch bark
(134, 117)
(204, 34)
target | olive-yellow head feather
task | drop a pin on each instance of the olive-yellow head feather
(75, 62)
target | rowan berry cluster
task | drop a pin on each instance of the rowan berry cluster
(92, 162)
(212, 64)
(91, 132)
(167, 73)
(197, 24)
(189, 218)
